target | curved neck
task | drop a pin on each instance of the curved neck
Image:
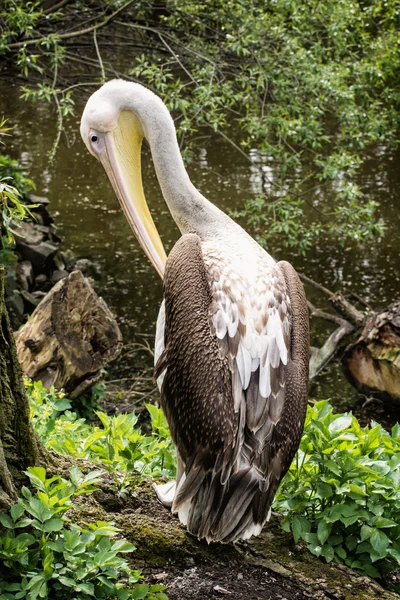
(191, 211)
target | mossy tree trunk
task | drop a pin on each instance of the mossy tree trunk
(18, 446)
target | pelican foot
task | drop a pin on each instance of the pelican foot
(166, 493)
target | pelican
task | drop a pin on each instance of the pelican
(232, 337)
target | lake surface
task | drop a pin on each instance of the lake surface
(92, 225)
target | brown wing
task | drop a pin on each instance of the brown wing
(196, 394)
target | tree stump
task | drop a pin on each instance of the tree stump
(372, 363)
(70, 336)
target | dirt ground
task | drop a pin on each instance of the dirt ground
(220, 579)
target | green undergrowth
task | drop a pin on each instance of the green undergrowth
(341, 495)
(116, 442)
(46, 555)
(342, 492)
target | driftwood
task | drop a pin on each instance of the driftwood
(268, 567)
(348, 322)
(70, 336)
(372, 363)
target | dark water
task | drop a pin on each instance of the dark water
(92, 225)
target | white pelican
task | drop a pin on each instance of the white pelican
(232, 340)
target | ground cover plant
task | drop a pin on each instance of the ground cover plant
(116, 442)
(48, 555)
(342, 492)
(341, 495)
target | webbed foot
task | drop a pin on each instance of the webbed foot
(166, 492)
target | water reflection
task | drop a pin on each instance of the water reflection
(92, 224)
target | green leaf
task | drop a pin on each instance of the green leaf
(16, 511)
(340, 423)
(140, 591)
(379, 541)
(365, 532)
(53, 525)
(324, 531)
(6, 521)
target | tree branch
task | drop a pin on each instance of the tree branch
(72, 34)
(321, 356)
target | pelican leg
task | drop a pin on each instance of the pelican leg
(166, 491)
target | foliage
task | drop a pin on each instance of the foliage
(310, 87)
(48, 555)
(13, 184)
(117, 443)
(342, 492)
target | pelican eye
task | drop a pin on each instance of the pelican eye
(94, 138)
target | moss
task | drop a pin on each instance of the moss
(156, 543)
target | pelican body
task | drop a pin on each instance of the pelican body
(232, 339)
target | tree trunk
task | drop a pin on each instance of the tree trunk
(18, 446)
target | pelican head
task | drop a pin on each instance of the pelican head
(113, 126)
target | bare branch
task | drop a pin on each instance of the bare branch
(56, 7)
(321, 356)
(321, 314)
(72, 34)
(316, 285)
(103, 73)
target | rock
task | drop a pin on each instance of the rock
(40, 200)
(45, 230)
(28, 234)
(42, 282)
(88, 267)
(41, 208)
(58, 275)
(54, 235)
(38, 254)
(25, 275)
(58, 262)
(30, 301)
(70, 336)
(10, 284)
(69, 258)
(15, 306)
(38, 295)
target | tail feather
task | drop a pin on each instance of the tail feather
(228, 511)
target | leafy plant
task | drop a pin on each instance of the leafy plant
(341, 495)
(13, 184)
(117, 443)
(48, 555)
(342, 492)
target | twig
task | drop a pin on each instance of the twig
(56, 7)
(315, 284)
(103, 73)
(361, 300)
(321, 314)
(177, 59)
(65, 36)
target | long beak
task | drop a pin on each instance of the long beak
(122, 164)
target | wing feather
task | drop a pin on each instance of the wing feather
(227, 364)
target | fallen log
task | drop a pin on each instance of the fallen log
(372, 363)
(70, 336)
(269, 566)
